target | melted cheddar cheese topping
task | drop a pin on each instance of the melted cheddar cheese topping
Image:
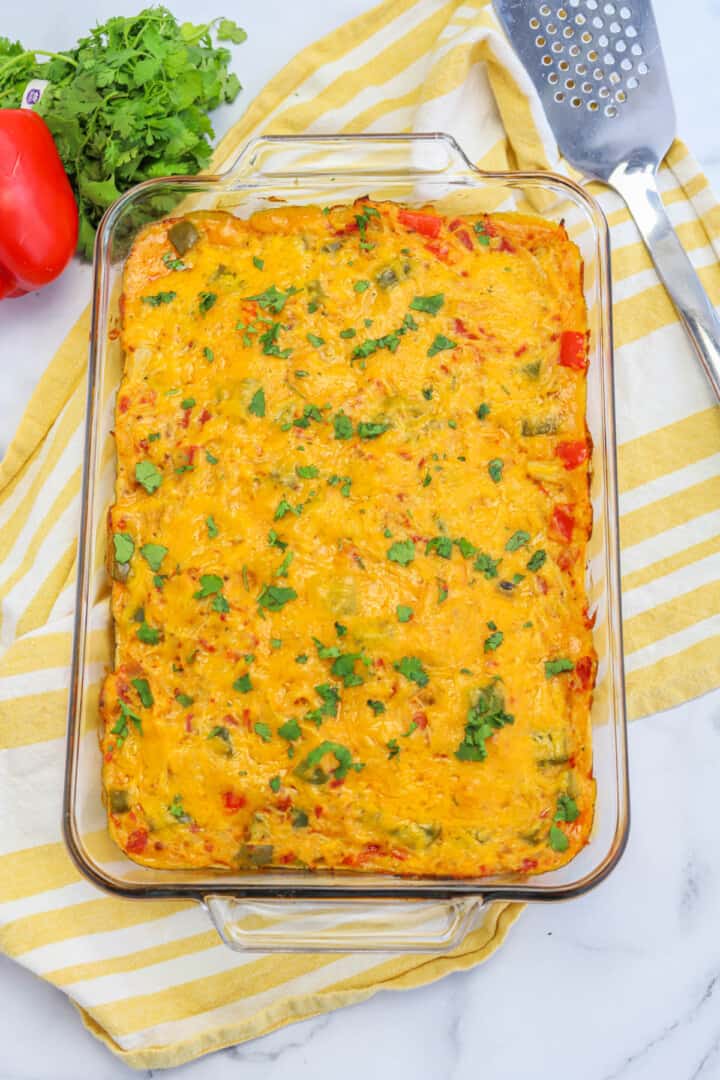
(348, 545)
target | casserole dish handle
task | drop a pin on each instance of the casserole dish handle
(248, 925)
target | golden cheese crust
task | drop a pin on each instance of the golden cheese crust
(348, 545)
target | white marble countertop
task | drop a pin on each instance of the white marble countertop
(622, 983)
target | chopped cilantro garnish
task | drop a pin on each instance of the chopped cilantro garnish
(360, 286)
(393, 748)
(187, 403)
(220, 604)
(300, 819)
(148, 634)
(159, 298)
(494, 641)
(185, 700)
(284, 507)
(273, 299)
(148, 476)
(144, 692)
(257, 403)
(402, 552)
(207, 300)
(153, 554)
(404, 613)
(482, 411)
(177, 811)
(258, 263)
(274, 783)
(268, 340)
(556, 667)
(413, 727)
(481, 234)
(124, 546)
(411, 667)
(427, 392)
(557, 839)
(172, 263)
(467, 550)
(154, 436)
(343, 426)
(210, 584)
(221, 732)
(427, 479)
(284, 566)
(307, 472)
(212, 528)
(377, 706)
(495, 468)
(275, 541)
(262, 730)
(340, 630)
(370, 430)
(208, 354)
(440, 344)
(517, 540)
(429, 304)
(485, 716)
(566, 809)
(486, 565)
(350, 332)
(309, 769)
(442, 591)
(210, 458)
(537, 560)
(274, 597)
(300, 374)
(289, 730)
(442, 545)
(315, 341)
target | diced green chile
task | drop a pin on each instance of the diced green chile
(119, 801)
(547, 425)
(255, 854)
(183, 235)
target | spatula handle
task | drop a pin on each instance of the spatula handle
(638, 188)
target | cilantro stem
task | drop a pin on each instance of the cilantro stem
(37, 52)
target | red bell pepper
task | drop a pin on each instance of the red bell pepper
(38, 215)
(572, 454)
(572, 350)
(426, 224)
(562, 522)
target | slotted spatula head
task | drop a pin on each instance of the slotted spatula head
(599, 71)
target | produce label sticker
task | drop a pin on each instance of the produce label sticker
(33, 92)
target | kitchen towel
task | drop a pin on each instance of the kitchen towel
(152, 979)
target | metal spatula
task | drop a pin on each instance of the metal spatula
(600, 74)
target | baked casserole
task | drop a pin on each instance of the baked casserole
(348, 545)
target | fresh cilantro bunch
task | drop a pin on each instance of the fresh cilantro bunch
(130, 102)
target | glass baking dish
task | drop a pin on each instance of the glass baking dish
(292, 910)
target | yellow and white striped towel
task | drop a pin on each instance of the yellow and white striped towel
(152, 979)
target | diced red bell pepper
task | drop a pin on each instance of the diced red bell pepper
(562, 522)
(137, 841)
(425, 224)
(572, 454)
(440, 251)
(584, 671)
(233, 801)
(572, 350)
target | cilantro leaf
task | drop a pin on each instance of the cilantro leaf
(273, 299)
(361, 286)
(557, 839)
(307, 472)
(566, 809)
(148, 634)
(207, 301)
(404, 613)
(517, 540)
(258, 263)
(368, 430)
(440, 344)
(210, 584)
(440, 544)
(430, 304)
(402, 552)
(467, 550)
(411, 667)
(377, 706)
(556, 667)
(145, 694)
(495, 468)
(310, 769)
(228, 30)
(537, 560)
(159, 298)
(482, 411)
(315, 341)
(290, 730)
(486, 565)
(212, 528)
(494, 641)
(257, 404)
(343, 426)
(148, 476)
(274, 597)
(124, 546)
(243, 685)
(263, 730)
(153, 554)
(486, 715)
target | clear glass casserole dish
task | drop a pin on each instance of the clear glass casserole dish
(292, 910)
